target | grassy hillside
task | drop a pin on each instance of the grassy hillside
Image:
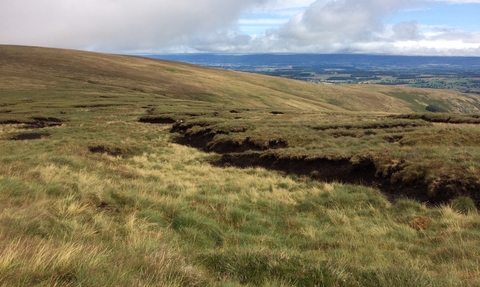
(286, 183)
(76, 78)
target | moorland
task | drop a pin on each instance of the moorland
(126, 171)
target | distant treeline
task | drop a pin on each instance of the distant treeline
(406, 76)
(394, 83)
(340, 79)
(352, 78)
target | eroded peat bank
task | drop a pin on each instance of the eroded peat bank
(404, 156)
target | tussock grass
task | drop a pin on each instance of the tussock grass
(464, 205)
(177, 221)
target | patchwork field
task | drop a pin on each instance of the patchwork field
(123, 171)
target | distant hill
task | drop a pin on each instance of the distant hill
(77, 77)
(320, 62)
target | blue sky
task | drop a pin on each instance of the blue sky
(400, 27)
(465, 17)
(462, 16)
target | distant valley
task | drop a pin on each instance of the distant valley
(455, 73)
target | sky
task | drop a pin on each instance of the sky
(394, 27)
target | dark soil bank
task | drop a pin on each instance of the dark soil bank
(30, 136)
(344, 171)
(157, 120)
(36, 123)
(113, 151)
(246, 154)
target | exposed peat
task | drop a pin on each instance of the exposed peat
(35, 123)
(43, 122)
(10, 122)
(98, 106)
(30, 136)
(442, 118)
(112, 151)
(359, 173)
(379, 125)
(246, 153)
(157, 120)
(204, 139)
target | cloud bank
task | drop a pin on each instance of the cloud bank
(358, 26)
(321, 26)
(116, 24)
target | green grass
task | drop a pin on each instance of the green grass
(106, 200)
(413, 99)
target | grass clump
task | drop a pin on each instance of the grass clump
(198, 229)
(464, 205)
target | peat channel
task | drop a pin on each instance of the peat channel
(35, 123)
(360, 173)
(203, 139)
(30, 136)
(364, 172)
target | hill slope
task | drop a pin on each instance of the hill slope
(76, 77)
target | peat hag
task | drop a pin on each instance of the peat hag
(359, 173)
(35, 123)
(30, 136)
(247, 153)
(43, 122)
(157, 120)
(112, 150)
(203, 139)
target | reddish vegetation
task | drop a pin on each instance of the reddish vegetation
(420, 223)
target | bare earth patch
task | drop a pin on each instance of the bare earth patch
(30, 136)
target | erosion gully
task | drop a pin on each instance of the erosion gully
(247, 154)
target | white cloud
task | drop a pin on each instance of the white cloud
(323, 26)
(117, 25)
(340, 22)
(261, 21)
(406, 31)
(359, 26)
(288, 6)
(457, 1)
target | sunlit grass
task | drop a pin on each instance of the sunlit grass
(167, 217)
